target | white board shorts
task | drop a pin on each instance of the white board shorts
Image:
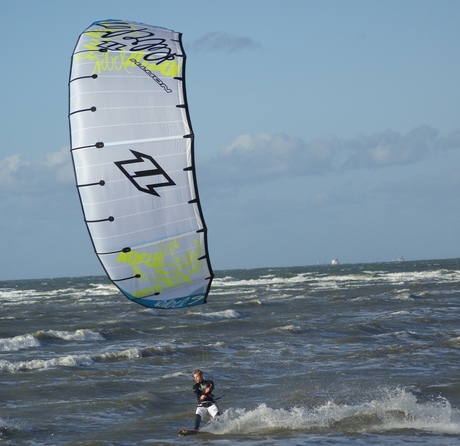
(213, 410)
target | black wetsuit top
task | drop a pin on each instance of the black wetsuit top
(199, 390)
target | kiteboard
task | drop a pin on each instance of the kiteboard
(186, 432)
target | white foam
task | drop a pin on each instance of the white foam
(78, 335)
(226, 314)
(102, 289)
(263, 280)
(290, 329)
(37, 364)
(129, 353)
(18, 343)
(397, 409)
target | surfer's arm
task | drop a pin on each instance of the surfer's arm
(209, 388)
(197, 392)
(207, 394)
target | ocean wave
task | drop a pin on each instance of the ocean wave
(45, 291)
(262, 280)
(129, 353)
(329, 281)
(289, 329)
(13, 297)
(102, 289)
(221, 315)
(18, 343)
(396, 410)
(136, 352)
(8, 428)
(38, 364)
(252, 301)
(452, 342)
(86, 360)
(175, 375)
(27, 341)
(77, 335)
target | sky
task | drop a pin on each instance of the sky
(323, 129)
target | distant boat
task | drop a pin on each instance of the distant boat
(335, 262)
(399, 259)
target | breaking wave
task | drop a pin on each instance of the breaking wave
(394, 411)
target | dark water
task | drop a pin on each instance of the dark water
(346, 354)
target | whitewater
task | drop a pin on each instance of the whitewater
(362, 354)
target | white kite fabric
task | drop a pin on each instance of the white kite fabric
(132, 151)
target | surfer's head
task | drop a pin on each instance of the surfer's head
(198, 375)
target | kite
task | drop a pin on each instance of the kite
(132, 147)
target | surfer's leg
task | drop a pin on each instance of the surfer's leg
(214, 411)
(199, 414)
(197, 422)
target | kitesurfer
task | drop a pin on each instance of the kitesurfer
(206, 403)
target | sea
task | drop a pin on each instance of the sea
(347, 354)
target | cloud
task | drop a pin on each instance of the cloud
(21, 176)
(8, 168)
(268, 157)
(220, 41)
(450, 142)
(389, 148)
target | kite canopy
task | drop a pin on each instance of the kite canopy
(132, 151)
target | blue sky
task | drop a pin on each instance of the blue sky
(322, 129)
